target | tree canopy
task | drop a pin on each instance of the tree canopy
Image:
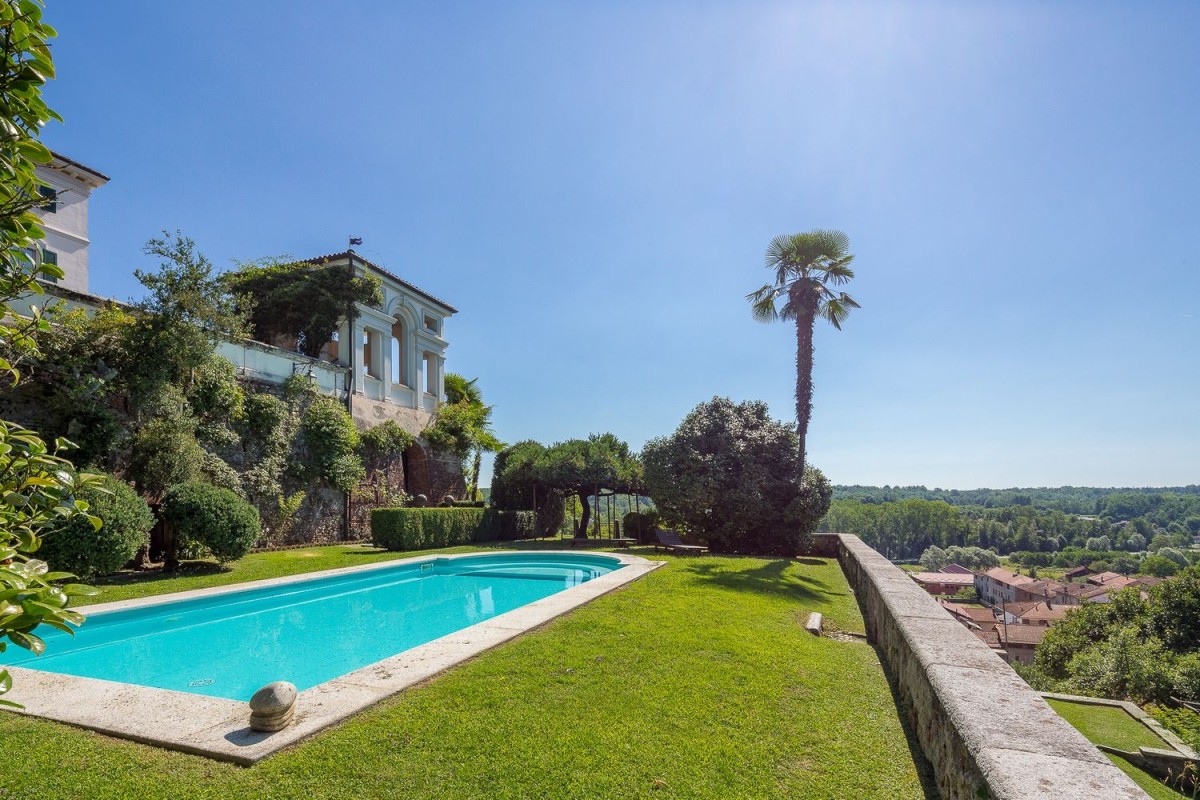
(1133, 647)
(37, 489)
(729, 475)
(298, 300)
(589, 467)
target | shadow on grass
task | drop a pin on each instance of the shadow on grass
(904, 708)
(188, 569)
(771, 578)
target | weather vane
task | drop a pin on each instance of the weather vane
(355, 240)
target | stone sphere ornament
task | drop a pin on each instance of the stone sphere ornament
(273, 706)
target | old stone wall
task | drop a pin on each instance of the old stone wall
(983, 729)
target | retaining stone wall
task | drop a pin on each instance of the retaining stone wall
(985, 732)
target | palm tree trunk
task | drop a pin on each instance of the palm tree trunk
(804, 386)
(474, 488)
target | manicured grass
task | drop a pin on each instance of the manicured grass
(696, 681)
(1113, 727)
(1107, 725)
(1150, 785)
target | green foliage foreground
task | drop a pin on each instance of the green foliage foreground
(625, 697)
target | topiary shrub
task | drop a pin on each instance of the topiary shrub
(423, 528)
(214, 518)
(77, 547)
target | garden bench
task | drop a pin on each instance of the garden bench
(671, 541)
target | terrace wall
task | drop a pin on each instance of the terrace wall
(985, 732)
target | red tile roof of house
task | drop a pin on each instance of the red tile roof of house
(1001, 575)
(958, 569)
(1109, 579)
(1021, 634)
(1044, 612)
(977, 614)
(1003, 636)
(949, 578)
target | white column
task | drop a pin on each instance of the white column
(356, 341)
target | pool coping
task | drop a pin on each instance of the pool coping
(219, 728)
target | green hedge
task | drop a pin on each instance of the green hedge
(422, 528)
(425, 528)
(507, 526)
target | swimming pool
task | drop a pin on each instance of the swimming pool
(308, 632)
(97, 681)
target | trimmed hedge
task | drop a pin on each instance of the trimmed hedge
(507, 526)
(212, 518)
(426, 528)
(77, 547)
(422, 528)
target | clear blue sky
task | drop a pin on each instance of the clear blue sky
(593, 185)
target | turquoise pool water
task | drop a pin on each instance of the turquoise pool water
(307, 632)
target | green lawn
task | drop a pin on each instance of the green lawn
(696, 681)
(1107, 725)
(1111, 726)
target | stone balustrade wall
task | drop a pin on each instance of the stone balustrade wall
(986, 733)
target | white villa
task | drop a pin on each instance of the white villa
(65, 217)
(393, 371)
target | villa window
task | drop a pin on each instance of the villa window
(398, 354)
(371, 354)
(50, 195)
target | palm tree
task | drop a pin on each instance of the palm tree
(478, 423)
(805, 266)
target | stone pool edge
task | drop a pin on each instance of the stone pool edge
(219, 728)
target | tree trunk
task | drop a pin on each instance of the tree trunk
(170, 549)
(473, 493)
(804, 386)
(585, 515)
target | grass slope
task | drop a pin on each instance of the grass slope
(1111, 726)
(696, 681)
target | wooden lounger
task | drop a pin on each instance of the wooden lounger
(671, 541)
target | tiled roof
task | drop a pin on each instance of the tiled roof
(1021, 634)
(1109, 579)
(973, 613)
(77, 165)
(957, 569)
(1045, 611)
(1001, 575)
(351, 254)
(1043, 588)
(1017, 609)
(1018, 635)
(951, 578)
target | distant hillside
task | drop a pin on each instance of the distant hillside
(1068, 499)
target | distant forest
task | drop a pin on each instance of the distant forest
(1082, 523)
(1068, 499)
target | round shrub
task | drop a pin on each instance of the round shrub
(214, 518)
(79, 548)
